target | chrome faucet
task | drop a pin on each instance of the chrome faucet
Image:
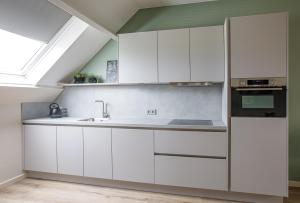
(104, 108)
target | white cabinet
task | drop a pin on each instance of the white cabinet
(193, 172)
(40, 148)
(70, 150)
(259, 46)
(173, 56)
(191, 143)
(133, 155)
(259, 156)
(207, 54)
(138, 57)
(97, 152)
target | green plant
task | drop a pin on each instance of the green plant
(79, 77)
(95, 79)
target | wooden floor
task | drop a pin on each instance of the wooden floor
(42, 191)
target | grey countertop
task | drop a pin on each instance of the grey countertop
(127, 123)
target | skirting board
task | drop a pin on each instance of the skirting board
(222, 195)
(294, 183)
(12, 180)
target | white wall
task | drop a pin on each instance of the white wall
(11, 125)
(10, 141)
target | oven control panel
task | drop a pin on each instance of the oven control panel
(259, 82)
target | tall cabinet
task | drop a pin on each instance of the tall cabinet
(259, 145)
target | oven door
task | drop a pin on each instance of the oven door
(258, 102)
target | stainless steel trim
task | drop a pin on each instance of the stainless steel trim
(274, 82)
(258, 89)
(191, 156)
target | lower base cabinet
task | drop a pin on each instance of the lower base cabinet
(128, 155)
(97, 152)
(40, 148)
(205, 173)
(133, 155)
(70, 150)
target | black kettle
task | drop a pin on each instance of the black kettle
(55, 111)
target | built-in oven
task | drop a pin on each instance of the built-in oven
(258, 97)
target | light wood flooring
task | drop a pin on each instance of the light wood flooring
(43, 191)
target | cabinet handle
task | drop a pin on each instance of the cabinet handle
(191, 156)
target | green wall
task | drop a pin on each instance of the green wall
(214, 13)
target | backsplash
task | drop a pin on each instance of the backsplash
(134, 101)
(31, 110)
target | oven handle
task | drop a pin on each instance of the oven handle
(258, 89)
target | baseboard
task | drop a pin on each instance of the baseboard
(294, 183)
(12, 180)
(221, 195)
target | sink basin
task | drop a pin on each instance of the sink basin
(94, 120)
(190, 122)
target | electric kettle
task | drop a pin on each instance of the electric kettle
(55, 111)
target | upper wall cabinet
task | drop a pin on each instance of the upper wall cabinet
(138, 57)
(173, 56)
(259, 46)
(207, 54)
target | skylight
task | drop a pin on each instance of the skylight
(17, 52)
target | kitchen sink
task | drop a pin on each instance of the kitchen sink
(190, 122)
(94, 120)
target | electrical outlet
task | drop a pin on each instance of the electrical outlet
(152, 112)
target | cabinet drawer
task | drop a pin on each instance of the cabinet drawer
(191, 143)
(192, 172)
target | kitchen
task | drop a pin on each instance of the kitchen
(199, 110)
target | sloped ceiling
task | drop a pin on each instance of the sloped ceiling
(106, 17)
(17, 94)
(82, 50)
(110, 15)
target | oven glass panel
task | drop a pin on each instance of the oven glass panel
(257, 101)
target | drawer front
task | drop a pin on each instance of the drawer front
(191, 143)
(191, 172)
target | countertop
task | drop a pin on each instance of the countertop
(127, 123)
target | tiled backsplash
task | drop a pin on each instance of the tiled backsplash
(134, 101)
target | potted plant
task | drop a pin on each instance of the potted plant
(95, 79)
(79, 77)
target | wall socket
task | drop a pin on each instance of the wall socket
(152, 112)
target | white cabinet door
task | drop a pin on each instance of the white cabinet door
(259, 156)
(259, 46)
(173, 56)
(207, 54)
(138, 57)
(70, 150)
(40, 148)
(191, 143)
(193, 172)
(133, 155)
(97, 152)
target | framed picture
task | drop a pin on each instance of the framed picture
(112, 75)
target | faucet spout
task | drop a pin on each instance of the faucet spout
(104, 108)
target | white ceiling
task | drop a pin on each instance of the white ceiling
(160, 3)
